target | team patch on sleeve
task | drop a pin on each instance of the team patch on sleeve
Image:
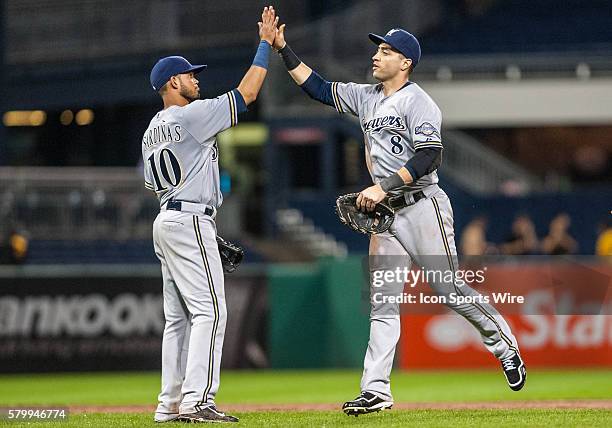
(427, 129)
(336, 98)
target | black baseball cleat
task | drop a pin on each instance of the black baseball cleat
(515, 371)
(207, 415)
(365, 403)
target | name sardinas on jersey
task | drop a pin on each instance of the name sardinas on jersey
(162, 134)
(385, 122)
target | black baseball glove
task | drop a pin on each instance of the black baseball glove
(231, 254)
(372, 222)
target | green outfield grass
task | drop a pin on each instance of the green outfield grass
(316, 386)
(422, 418)
(325, 386)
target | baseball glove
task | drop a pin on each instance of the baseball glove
(372, 222)
(231, 255)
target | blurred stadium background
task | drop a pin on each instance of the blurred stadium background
(525, 88)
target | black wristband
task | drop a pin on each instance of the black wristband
(391, 182)
(289, 57)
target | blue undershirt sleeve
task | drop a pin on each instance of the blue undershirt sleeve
(424, 161)
(241, 106)
(319, 89)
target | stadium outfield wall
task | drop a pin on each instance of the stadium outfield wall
(75, 318)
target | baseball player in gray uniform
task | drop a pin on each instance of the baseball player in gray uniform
(180, 155)
(403, 144)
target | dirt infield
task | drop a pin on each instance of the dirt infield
(481, 405)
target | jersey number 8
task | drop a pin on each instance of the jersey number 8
(171, 176)
(397, 148)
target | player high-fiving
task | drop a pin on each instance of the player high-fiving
(180, 155)
(403, 145)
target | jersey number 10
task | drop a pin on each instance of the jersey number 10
(171, 176)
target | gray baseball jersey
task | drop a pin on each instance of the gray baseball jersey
(394, 127)
(180, 152)
(180, 155)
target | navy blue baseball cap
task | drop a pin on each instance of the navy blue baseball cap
(402, 41)
(170, 66)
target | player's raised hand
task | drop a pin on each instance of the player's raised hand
(279, 40)
(267, 26)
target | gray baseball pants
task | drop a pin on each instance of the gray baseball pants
(194, 310)
(423, 233)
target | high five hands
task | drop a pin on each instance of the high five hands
(268, 25)
(279, 41)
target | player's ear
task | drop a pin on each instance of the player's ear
(406, 63)
(175, 82)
